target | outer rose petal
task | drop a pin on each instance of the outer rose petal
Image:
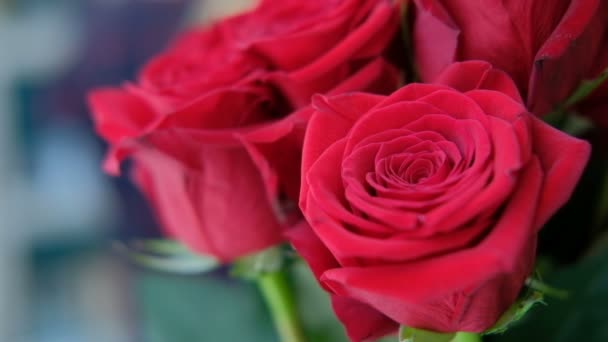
(310, 38)
(378, 77)
(472, 75)
(435, 39)
(332, 121)
(219, 215)
(240, 106)
(378, 29)
(119, 114)
(309, 246)
(320, 29)
(276, 149)
(361, 321)
(563, 159)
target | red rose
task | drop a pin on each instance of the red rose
(425, 205)
(215, 124)
(547, 48)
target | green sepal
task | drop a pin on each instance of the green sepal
(516, 312)
(252, 266)
(407, 334)
(168, 256)
(538, 285)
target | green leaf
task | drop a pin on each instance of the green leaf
(540, 286)
(192, 264)
(252, 266)
(167, 256)
(161, 246)
(418, 335)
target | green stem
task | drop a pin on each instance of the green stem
(277, 294)
(466, 337)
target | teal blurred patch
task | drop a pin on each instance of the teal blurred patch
(208, 308)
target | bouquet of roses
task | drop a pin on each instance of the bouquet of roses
(408, 151)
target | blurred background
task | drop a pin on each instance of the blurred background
(60, 279)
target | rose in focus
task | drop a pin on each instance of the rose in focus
(215, 123)
(424, 206)
(548, 49)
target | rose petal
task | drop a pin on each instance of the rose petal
(577, 41)
(308, 245)
(201, 210)
(361, 321)
(119, 114)
(435, 39)
(397, 115)
(563, 159)
(416, 294)
(471, 75)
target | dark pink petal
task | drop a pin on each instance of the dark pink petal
(240, 106)
(361, 321)
(511, 111)
(471, 75)
(472, 201)
(412, 92)
(310, 30)
(563, 159)
(435, 39)
(200, 208)
(506, 34)
(119, 114)
(376, 77)
(308, 245)
(569, 55)
(381, 119)
(332, 121)
(383, 19)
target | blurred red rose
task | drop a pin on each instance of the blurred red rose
(215, 123)
(547, 48)
(424, 206)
